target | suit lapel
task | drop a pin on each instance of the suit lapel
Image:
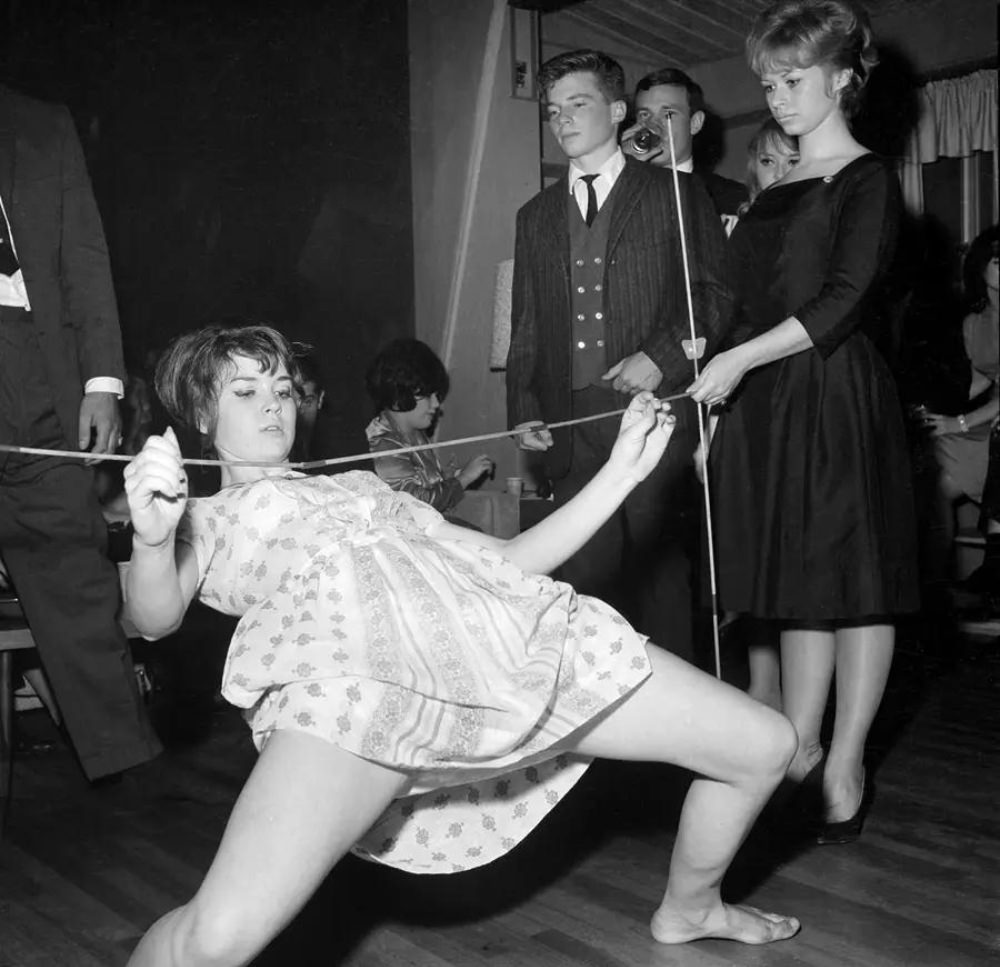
(630, 186)
(554, 224)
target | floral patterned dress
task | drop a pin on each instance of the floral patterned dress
(438, 658)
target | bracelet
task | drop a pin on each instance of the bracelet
(962, 424)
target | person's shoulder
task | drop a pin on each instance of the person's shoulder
(26, 107)
(727, 195)
(551, 194)
(869, 174)
(644, 172)
(866, 166)
(379, 432)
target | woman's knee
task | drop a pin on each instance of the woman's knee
(775, 742)
(217, 937)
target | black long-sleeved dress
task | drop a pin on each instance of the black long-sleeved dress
(812, 494)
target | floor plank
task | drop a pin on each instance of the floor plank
(83, 872)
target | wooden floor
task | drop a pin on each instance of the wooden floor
(83, 871)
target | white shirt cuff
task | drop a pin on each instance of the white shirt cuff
(105, 384)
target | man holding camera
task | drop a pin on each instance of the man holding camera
(670, 93)
(599, 313)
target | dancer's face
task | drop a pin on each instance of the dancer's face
(255, 415)
(583, 120)
(802, 99)
(774, 160)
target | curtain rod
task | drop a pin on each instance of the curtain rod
(957, 70)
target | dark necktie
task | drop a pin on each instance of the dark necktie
(591, 199)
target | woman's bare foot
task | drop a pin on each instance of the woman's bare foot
(726, 921)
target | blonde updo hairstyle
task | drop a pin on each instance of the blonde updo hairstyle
(804, 33)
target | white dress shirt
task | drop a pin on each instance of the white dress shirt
(14, 293)
(607, 175)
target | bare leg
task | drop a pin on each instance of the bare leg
(765, 673)
(740, 750)
(864, 657)
(807, 660)
(305, 804)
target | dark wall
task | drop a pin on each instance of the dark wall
(250, 159)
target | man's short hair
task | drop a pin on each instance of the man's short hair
(674, 77)
(307, 367)
(609, 73)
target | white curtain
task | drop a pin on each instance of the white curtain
(957, 117)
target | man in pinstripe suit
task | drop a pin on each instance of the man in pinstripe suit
(599, 313)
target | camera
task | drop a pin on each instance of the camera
(644, 140)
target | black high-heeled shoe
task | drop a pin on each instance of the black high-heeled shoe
(848, 830)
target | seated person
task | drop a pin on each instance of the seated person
(421, 694)
(985, 579)
(408, 383)
(961, 441)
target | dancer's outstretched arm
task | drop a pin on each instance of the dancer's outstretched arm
(645, 432)
(163, 573)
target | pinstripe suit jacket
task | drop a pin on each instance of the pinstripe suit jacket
(645, 302)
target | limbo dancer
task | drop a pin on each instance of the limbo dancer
(404, 677)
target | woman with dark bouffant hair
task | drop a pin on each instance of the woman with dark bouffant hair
(809, 464)
(408, 383)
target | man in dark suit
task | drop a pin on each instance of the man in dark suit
(61, 375)
(599, 312)
(670, 92)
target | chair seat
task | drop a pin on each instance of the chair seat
(15, 638)
(10, 607)
(970, 537)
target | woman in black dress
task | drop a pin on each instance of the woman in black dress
(809, 466)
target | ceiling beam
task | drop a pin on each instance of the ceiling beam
(543, 6)
(647, 36)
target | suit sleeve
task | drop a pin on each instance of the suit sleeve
(85, 269)
(522, 403)
(865, 233)
(711, 294)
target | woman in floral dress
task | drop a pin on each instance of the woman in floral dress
(420, 692)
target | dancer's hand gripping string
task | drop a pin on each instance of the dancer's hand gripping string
(156, 486)
(644, 434)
